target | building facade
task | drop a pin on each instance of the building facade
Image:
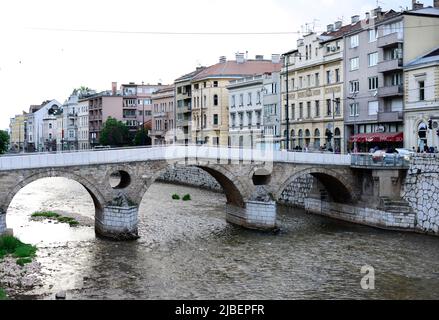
(163, 116)
(421, 110)
(271, 113)
(245, 112)
(17, 133)
(374, 86)
(210, 100)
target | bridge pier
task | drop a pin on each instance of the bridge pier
(117, 223)
(256, 215)
(2, 223)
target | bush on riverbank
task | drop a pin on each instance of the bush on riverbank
(55, 216)
(3, 295)
(187, 197)
(175, 196)
(13, 246)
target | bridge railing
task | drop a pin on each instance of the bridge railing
(167, 153)
(386, 161)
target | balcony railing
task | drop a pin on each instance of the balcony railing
(390, 65)
(391, 91)
(390, 40)
(388, 160)
(392, 116)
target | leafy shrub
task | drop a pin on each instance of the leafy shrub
(23, 261)
(3, 295)
(25, 251)
(175, 196)
(187, 197)
(45, 214)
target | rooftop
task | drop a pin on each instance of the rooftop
(431, 57)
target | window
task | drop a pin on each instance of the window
(373, 108)
(258, 97)
(355, 41)
(337, 106)
(293, 111)
(393, 28)
(396, 79)
(233, 101)
(317, 114)
(373, 35)
(293, 83)
(250, 118)
(215, 100)
(249, 99)
(300, 82)
(373, 83)
(317, 79)
(50, 126)
(241, 100)
(337, 75)
(421, 90)
(328, 77)
(354, 86)
(353, 108)
(215, 119)
(328, 107)
(215, 84)
(301, 110)
(309, 80)
(354, 63)
(308, 109)
(373, 59)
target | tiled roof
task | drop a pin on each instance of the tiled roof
(342, 31)
(190, 75)
(234, 69)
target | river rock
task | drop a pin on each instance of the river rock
(60, 295)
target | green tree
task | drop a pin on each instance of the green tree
(142, 139)
(4, 141)
(114, 133)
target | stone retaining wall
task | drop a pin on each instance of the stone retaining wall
(256, 215)
(421, 191)
(360, 215)
(296, 193)
(190, 176)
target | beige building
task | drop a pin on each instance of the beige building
(210, 99)
(315, 91)
(17, 131)
(163, 116)
(421, 107)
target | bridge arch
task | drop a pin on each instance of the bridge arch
(234, 190)
(338, 186)
(26, 179)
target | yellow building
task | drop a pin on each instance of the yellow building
(210, 100)
(17, 129)
(315, 92)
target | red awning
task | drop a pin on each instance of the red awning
(377, 137)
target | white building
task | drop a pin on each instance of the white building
(83, 142)
(422, 101)
(271, 112)
(245, 112)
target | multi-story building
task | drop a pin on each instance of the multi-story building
(314, 118)
(83, 123)
(375, 54)
(245, 112)
(421, 107)
(210, 101)
(271, 112)
(42, 126)
(17, 132)
(183, 101)
(163, 116)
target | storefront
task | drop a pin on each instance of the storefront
(366, 141)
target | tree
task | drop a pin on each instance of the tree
(114, 133)
(4, 141)
(142, 139)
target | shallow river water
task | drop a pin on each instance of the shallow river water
(188, 251)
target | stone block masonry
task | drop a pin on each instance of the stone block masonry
(296, 192)
(2, 223)
(118, 223)
(190, 176)
(256, 215)
(366, 216)
(421, 191)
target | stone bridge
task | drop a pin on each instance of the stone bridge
(252, 180)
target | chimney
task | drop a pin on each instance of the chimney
(222, 59)
(367, 15)
(417, 5)
(114, 88)
(259, 57)
(330, 27)
(436, 3)
(338, 25)
(275, 58)
(355, 19)
(240, 58)
(376, 12)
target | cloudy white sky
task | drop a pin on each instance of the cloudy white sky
(37, 65)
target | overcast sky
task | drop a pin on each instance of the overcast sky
(37, 65)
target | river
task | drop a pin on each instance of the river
(188, 251)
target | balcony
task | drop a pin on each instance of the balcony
(130, 116)
(392, 116)
(390, 40)
(391, 91)
(390, 65)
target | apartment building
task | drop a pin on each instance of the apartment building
(210, 99)
(163, 116)
(374, 81)
(17, 132)
(271, 113)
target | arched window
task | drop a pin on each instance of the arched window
(215, 100)
(317, 139)
(317, 133)
(205, 121)
(300, 138)
(307, 133)
(337, 132)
